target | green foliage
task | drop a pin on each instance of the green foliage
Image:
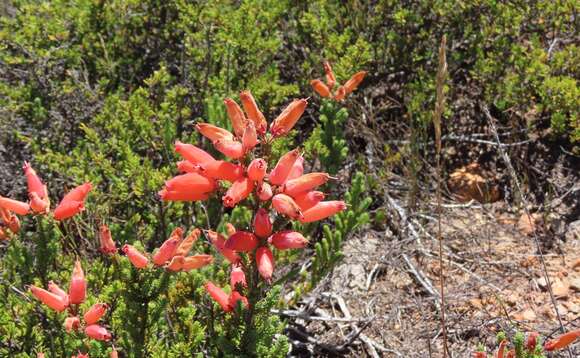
(327, 142)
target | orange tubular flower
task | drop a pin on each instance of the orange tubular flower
(322, 210)
(304, 183)
(330, 79)
(213, 133)
(236, 297)
(230, 148)
(78, 285)
(279, 174)
(167, 195)
(187, 244)
(242, 241)
(288, 118)
(532, 341)
(106, 241)
(15, 206)
(53, 288)
(94, 314)
(72, 323)
(285, 205)
(253, 112)
(38, 205)
(264, 192)
(220, 243)
(354, 81)
(196, 261)
(501, 348)
(79, 193)
(68, 209)
(97, 332)
(137, 259)
(340, 94)
(219, 296)
(239, 190)
(222, 170)
(33, 182)
(308, 199)
(288, 239)
(176, 263)
(184, 166)
(297, 169)
(50, 299)
(262, 224)
(265, 261)
(250, 137)
(114, 354)
(192, 154)
(320, 88)
(563, 341)
(165, 252)
(236, 116)
(237, 277)
(257, 169)
(511, 354)
(191, 182)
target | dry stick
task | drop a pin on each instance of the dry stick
(512, 173)
(439, 106)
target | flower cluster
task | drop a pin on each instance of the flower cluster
(59, 300)
(326, 89)
(531, 345)
(285, 189)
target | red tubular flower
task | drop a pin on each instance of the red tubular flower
(239, 190)
(50, 299)
(285, 205)
(165, 252)
(237, 277)
(288, 239)
(250, 137)
(193, 182)
(230, 148)
(322, 210)
(340, 94)
(279, 174)
(72, 323)
(532, 341)
(78, 285)
(33, 182)
(262, 224)
(511, 354)
(222, 170)
(354, 81)
(563, 341)
(501, 348)
(236, 297)
(288, 118)
(79, 193)
(192, 154)
(330, 78)
(308, 199)
(137, 258)
(253, 112)
(320, 88)
(94, 314)
(97, 332)
(265, 262)
(168, 195)
(15, 206)
(236, 116)
(257, 169)
(220, 243)
(106, 241)
(264, 192)
(219, 296)
(68, 209)
(176, 263)
(196, 261)
(479, 355)
(213, 133)
(53, 288)
(242, 241)
(304, 183)
(297, 169)
(184, 166)
(187, 244)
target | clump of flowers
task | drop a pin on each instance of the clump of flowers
(531, 347)
(327, 90)
(284, 192)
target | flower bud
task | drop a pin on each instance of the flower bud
(262, 224)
